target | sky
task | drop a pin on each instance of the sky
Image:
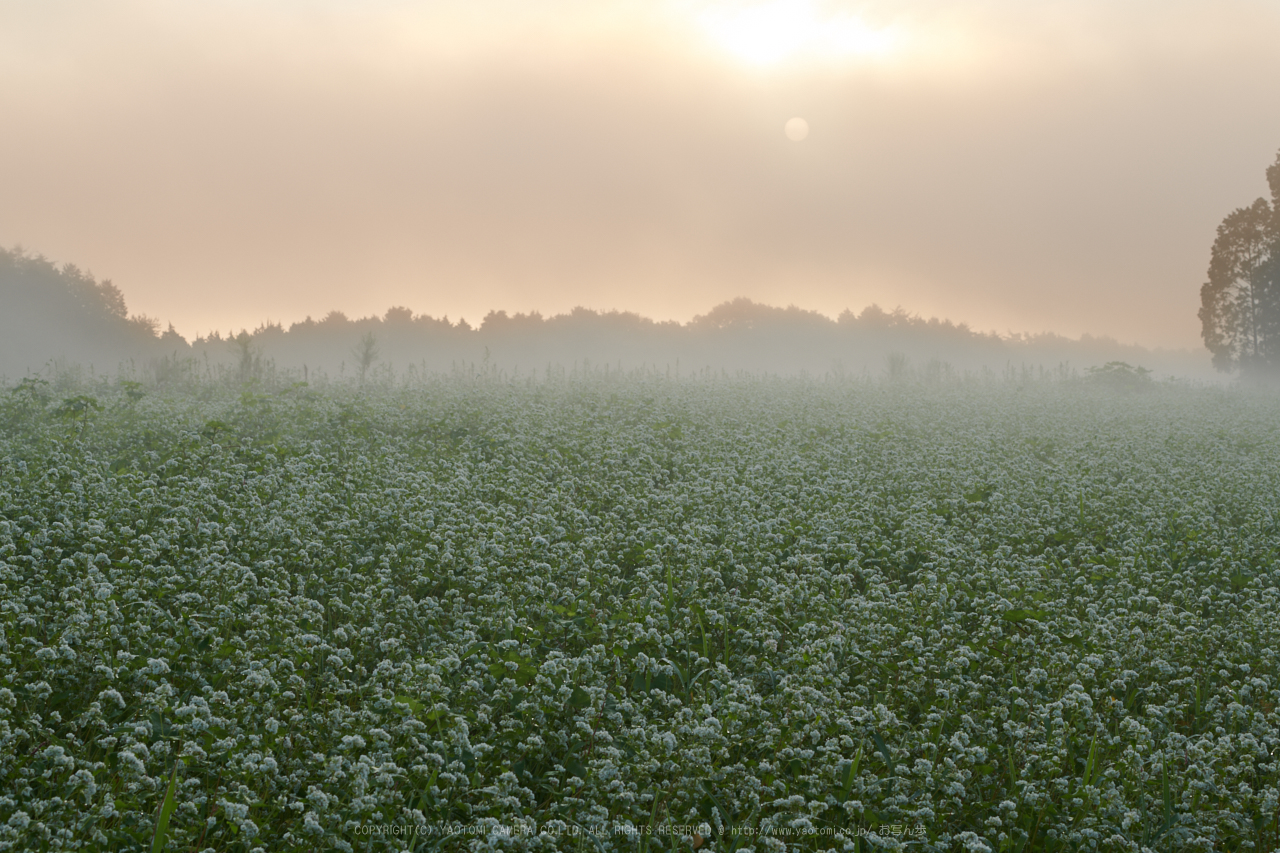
(1017, 165)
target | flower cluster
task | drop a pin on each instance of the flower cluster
(792, 614)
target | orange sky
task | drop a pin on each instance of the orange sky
(1020, 166)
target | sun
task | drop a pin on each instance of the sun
(775, 31)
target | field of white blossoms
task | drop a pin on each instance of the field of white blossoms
(632, 614)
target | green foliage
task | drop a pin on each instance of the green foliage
(24, 401)
(78, 407)
(617, 613)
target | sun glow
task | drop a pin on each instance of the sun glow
(767, 33)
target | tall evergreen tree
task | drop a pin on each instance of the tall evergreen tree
(1240, 303)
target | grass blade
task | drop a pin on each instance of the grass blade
(166, 810)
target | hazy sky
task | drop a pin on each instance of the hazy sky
(1020, 165)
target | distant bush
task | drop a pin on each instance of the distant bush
(1121, 376)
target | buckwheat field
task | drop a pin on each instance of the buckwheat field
(639, 613)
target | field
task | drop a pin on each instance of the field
(624, 614)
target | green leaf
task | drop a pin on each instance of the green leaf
(162, 728)
(850, 775)
(1091, 764)
(166, 810)
(414, 705)
(1166, 795)
(884, 750)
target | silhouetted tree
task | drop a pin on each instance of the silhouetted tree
(248, 357)
(398, 315)
(366, 353)
(1240, 303)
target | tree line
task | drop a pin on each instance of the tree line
(63, 314)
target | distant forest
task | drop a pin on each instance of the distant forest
(60, 317)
